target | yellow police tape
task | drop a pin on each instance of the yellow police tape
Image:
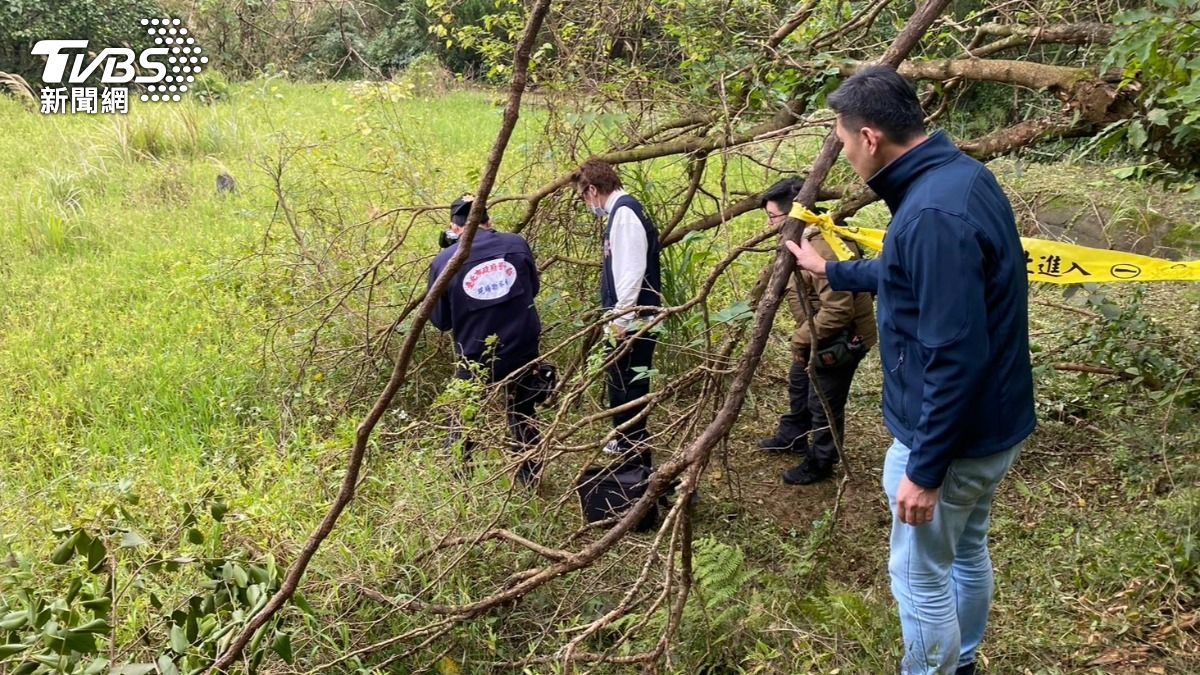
(1050, 262)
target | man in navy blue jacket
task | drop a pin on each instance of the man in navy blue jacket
(492, 295)
(954, 341)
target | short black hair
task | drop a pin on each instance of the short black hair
(784, 192)
(879, 97)
(461, 207)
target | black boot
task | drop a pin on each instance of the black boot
(792, 436)
(806, 474)
(784, 446)
(968, 669)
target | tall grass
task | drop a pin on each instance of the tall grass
(183, 130)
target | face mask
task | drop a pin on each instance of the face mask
(447, 239)
(598, 211)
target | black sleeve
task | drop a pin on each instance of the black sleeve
(440, 318)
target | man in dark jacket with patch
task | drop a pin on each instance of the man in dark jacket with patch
(489, 309)
(953, 319)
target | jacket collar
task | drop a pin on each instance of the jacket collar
(893, 181)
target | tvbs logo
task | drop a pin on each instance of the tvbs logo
(165, 70)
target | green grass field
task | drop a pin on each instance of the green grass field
(137, 319)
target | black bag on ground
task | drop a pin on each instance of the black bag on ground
(609, 491)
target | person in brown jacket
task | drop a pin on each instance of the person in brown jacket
(845, 324)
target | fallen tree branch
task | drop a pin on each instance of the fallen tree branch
(1069, 308)
(1025, 134)
(1082, 33)
(1041, 76)
(732, 211)
(1094, 370)
(502, 534)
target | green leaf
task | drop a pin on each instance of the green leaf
(94, 626)
(179, 641)
(1136, 135)
(218, 510)
(7, 651)
(206, 626)
(97, 554)
(299, 601)
(132, 539)
(1157, 117)
(283, 647)
(255, 643)
(259, 574)
(195, 536)
(54, 662)
(99, 605)
(38, 614)
(240, 577)
(735, 312)
(14, 620)
(65, 551)
(133, 669)
(73, 590)
(166, 666)
(84, 643)
(83, 541)
(1125, 172)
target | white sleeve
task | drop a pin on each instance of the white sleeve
(628, 245)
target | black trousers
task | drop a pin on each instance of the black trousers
(518, 406)
(806, 414)
(624, 386)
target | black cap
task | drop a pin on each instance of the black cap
(461, 207)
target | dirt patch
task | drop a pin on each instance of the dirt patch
(746, 482)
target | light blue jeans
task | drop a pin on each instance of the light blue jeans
(941, 571)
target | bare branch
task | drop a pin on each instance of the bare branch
(1087, 32)
(793, 22)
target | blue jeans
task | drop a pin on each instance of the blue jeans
(941, 571)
